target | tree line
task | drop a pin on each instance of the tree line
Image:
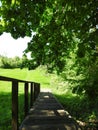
(11, 63)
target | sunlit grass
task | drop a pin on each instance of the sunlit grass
(37, 75)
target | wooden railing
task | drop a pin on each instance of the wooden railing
(34, 91)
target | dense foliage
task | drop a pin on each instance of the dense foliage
(66, 37)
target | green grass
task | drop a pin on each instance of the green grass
(75, 105)
(37, 75)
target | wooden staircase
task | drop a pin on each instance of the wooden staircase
(48, 114)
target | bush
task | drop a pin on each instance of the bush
(9, 63)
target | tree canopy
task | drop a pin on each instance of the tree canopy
(63, 29)
(56, 23)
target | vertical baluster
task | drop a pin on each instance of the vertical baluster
(14, 105)
(32, 95)
(26, 98)
(36, 90)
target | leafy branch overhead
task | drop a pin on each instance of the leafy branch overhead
(56, 24)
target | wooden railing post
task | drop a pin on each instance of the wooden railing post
(14, 105)
(36, 90)
(32, 94)
(26, 99)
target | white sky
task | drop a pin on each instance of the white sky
(10, 47)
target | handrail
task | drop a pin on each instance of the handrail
(34, 91)
(3, 78)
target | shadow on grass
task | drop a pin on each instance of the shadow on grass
(6, 110)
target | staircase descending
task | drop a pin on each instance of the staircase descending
(48, 114)
(45, 113)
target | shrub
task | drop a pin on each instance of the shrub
(9, 63)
